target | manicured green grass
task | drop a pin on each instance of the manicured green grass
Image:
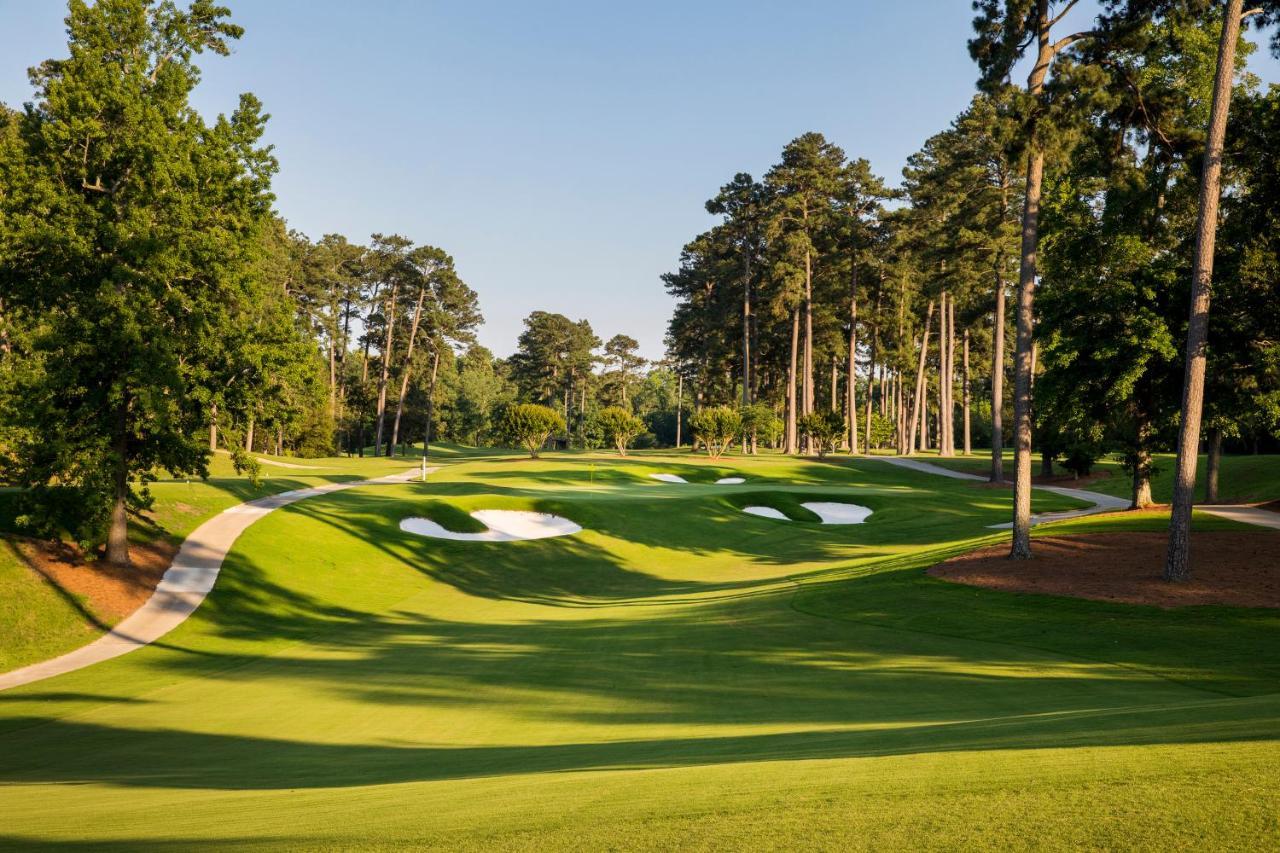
(676, 675)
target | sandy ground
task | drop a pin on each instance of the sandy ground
(504, 526)
(838, 513)
(829, 512)
(764, 512)
(1240, 569)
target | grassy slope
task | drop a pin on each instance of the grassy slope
(39, 621)
(1243, 479)
(677, 674)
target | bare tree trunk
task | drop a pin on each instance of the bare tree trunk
(964, 392)
(1215, 463)
(213, 427)
(679, 406)
(951, 377)
(997, 385)
(871, 375)
(386, 371)
(792, 445)
(408, 361)
(835, 386)
(431, 401)
(943, 337)
(807, 398)
(279, 440)
(852, 390)
(118, 533)
(746, 329)
(1021, 544)
(248, 436)
(1177, 565)
(333, 379)
(918, 402)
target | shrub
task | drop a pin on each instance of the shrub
(617, 426)
(824, 428)
(760, 423)
(529, 425)
(716, 428)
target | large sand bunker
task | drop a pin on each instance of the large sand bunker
(830, 512)
(504, 525)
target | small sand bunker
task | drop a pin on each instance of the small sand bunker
(838, 513)
(764, 512)
(504, 526)
(676, 478)
(829, 512)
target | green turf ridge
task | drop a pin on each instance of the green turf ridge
(677, 674)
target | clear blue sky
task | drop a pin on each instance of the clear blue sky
(561, 152)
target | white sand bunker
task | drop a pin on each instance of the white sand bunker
(764, 512)
(676, 478)
(504, 526)
(829, 512)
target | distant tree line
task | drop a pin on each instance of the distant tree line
(1075, 215)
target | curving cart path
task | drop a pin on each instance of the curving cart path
(1242, 513)
(184, 586)
(1101, 502)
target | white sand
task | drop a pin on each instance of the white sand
(504, 526)
(676, 478)
(838, 513)
(764, 512)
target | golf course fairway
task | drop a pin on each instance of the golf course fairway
(678, 674)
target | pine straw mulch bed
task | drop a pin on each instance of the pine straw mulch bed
(103, 593)
(1237, 569)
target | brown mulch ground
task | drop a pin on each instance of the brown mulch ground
(109, 592)
(1239, 569)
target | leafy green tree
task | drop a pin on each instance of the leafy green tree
(716, 427)
(618, 427)
(621, 354)
(824, 429)
(760, 423)
(529, 425)
(130, 229)
(553, 359)
(482, 389)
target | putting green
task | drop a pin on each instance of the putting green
(677, 673)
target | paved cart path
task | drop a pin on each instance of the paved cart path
(184, 586)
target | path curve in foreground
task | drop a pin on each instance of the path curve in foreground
(184, 586)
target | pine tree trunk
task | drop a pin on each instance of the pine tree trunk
(807, 376)
(792, 445)
(679, 407)
(333, 379)
(746, 330)
(852, 390)
(213, 428)
(1215, 463)
(408, 361)
(248, 436)
(871, 378)
(951, 376)
(386, 372)
(1021, 544)
(918, 400)
(965, 397)
(1178, 560)
(431, 401)
(997, 385)
(943, 337)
